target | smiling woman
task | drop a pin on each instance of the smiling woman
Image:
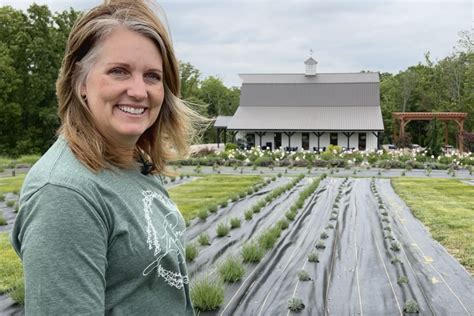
(97, 232)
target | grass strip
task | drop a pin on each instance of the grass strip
(210, 191)
(446, 207)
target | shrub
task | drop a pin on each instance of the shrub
(313, 257)
(231, 270)
(230, 146)
(290, 215)
(333, 217)
(395, 246)
(222, 230)
(320, 245)
(234, 198)
(203, 239)
(191, 252)
(303, 276)
(395, 260)
(207, 294)
(3, 221)
(324, 235)
(295, 304)
(251, 252)
(224, 204)
(234, 222)
(263, 161)
(17, 292)
(330, 226)
(402, 280)
(212, 209)
(283, 224)
(16, 207)
(2, 197)
(411, 307)
(248, 215)
(202, 214)
(268, 239)
(242, 194)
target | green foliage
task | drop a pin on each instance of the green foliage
(295, 304)
(207, 294)
(248, 215)
(230, 146)
(303, 275)
(17, 292)
(445, 207)
(10, 266)
(402, 280)
(222, 230)
(268, 238)
(251, 252)
(191, 252)
(203, 214)
(3, 221)
(313, 257)
(203, 239)
(234, 222)
(231, 270)
(411, 307)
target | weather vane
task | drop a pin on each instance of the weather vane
(311, 53)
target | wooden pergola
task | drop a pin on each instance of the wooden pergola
(403, 118)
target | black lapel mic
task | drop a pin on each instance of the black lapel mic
(145, 166)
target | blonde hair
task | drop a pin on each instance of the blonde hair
(168, 138)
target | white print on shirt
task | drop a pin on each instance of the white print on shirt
(167, 243)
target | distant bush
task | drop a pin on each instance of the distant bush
(231, 270)
(313, 257)
(251, 252)
(234, 222)
(222, 230)
(295, 304)
(191, 252)
(207, 294)
(203, 239)
(230, 146)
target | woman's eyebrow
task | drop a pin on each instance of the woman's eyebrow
(128, 65)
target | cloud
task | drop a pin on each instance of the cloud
(229, 37)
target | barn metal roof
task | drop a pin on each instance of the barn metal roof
(359, 77)
(303, 118)
(222, 121)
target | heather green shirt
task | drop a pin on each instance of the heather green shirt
(93, 244)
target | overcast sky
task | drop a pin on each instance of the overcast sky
(227, 37)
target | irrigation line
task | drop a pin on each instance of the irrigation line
(386, 273)
(241, 286)
(357, 257)
(336, 239)
(431, 265)
(288, 263)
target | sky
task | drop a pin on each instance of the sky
(224, 38)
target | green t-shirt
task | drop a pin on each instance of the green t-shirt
(99, 243)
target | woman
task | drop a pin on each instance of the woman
(96, 231)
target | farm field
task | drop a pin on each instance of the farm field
(374, 256)
(337, 245)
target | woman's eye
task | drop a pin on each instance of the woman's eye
(153, 76)
(117, 72)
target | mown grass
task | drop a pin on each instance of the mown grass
(11, 184)
(11, 272)
(446, 207)
(209, 191)
(29, 160)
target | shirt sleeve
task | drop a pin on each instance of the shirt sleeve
(62, 241)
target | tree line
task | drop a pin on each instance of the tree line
(32, 45)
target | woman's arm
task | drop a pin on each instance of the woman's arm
(63, 245)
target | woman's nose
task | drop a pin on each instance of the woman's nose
(137, 88)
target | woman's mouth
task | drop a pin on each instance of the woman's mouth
(131, 109)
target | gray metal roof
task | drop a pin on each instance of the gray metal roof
(291, 95)
(359, 77)
(324, 118)
(222, 121)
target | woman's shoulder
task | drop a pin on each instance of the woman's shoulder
(59, 167)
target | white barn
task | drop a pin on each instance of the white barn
(308, 111)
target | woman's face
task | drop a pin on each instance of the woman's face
(124, 88)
